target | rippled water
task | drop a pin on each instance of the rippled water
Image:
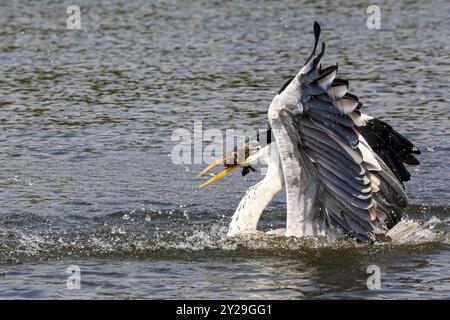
(86, 118)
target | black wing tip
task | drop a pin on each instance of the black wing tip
(317, 29)
(316, 38)
(350, 96)
(319, 57)
(339, 82)
(324, 46)
(316, 41)
(327, 70)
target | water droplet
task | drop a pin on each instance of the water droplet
(431, 148)
(126, 217)
(148, 218)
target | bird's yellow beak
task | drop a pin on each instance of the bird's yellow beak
(239, 158)
(223, 159)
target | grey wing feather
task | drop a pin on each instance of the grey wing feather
(357, 190)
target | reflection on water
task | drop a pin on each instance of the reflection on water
(85, 123)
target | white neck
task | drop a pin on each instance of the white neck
(256, 199)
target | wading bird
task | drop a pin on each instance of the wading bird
(342, 170)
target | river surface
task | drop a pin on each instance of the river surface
(87, 117)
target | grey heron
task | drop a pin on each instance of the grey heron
(342, 170)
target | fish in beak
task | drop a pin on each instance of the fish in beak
(232, 161)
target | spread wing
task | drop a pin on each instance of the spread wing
(359, 190)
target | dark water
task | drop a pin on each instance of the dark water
(86, 118)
